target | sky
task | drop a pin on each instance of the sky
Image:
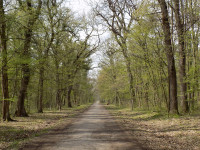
(81, 7)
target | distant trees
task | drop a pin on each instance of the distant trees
(161, 41)
(45, 59)
(118, 16)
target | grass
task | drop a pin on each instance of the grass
(157, 130)
(13, 134)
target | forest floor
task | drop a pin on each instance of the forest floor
(160, 132)
(14, 134)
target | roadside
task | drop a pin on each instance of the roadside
(158, 132)
(14, 134)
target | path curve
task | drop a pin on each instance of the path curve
(95, 129)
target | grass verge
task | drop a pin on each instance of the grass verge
(158, 131)
(14, 134)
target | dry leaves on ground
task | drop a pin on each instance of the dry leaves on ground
(158, 132)
(13, 133)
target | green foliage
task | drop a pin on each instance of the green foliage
(14, 99)
(56, 47)
(146, 52)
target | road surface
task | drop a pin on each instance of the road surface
(95, 129)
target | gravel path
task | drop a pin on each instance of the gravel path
(95, 129)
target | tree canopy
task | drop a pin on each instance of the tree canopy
(150, 56)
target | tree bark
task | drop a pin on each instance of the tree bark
(146, 94)
(58, 100)
(182, 59)
(41, 89)
(110, 54)
(173, 102)
(58, 97)
(123, 46)
(4, 71)
(69, 96)
(43, 61)
(41, 73)
(21, 112)
(130, 76)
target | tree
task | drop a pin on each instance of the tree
(51, 8)
(182, 52)
(153, 45)
(173, 102)
(4, 71)
(42, 46)
(118, 16)
(25, 54)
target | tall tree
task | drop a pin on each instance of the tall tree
(4, 71)
(173, 102)
(110, 50)
(182, 55)
(33, 16)
(44, 50)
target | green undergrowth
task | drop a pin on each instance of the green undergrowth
(138, 114)
(124, 112)
(13, 134)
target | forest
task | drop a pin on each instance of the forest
(148, 55)
(151, 60)
(44, 61)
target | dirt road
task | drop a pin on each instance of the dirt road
(95, 129)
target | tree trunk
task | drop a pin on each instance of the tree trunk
(123, 46)
(21, 112)
(114, 76)
(16, 84)
(116, 98)
(130, 77)
(182, 59)
(58, 97)
(4, 71)
(146, 94)
(173, 102)
(41, 86)
(69, 96)
(75, 98)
